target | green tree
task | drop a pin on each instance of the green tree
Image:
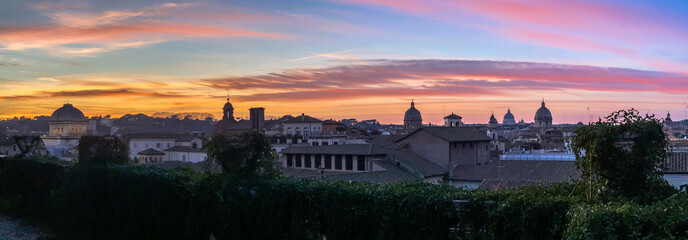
(623, 154)
(244, 156)
(102, 150)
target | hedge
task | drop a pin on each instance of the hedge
(138, 202)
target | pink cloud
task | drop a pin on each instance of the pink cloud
(23, 37)
(591, 26)
(398, 78)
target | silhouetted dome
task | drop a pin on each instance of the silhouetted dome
(508, 118)
(68, 113)
(228, 106)
(543, 114)
(412, 114)
(493, 120)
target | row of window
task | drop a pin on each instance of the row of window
(151, 159)
(324, 143)
(341, 162)
(157, 145)
(305, 130)
(61, 130)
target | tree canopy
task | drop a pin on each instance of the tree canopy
(243, 156)
(102, 150)
(623, 154)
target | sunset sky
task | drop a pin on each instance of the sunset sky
(338, 59)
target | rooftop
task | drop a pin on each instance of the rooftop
(538, 171)
(151, 151)
(183, 149)
(454, 134)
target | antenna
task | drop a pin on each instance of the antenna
(589, 116)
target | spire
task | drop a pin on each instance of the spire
(412, 104)
(543, 102)
(508, 110)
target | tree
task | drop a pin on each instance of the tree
(102, 150)
(623, 154)
(244, 156)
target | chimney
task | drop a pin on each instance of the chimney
(257, 118)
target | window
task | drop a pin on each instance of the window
(290, 160)
(168, 145)
(146, 145)
(338, 162)
(315, 143)
(360, 164)
(349, 162)
(184, 158)
(157, 145)
(318, 160)
(289, 131)
(297, 160)
(324, 143)
(135, 145)
(307, 163)
(328, 161)
(335, 143)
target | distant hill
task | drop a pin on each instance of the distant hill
(183, 115)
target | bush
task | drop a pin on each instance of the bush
(123, 203)
(135, 202)
(660, 220)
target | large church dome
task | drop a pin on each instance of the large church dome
(543, 114)
(412, 114)
(68, 113)
(508, 118)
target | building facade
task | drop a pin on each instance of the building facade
(66, 126)
(453, 120)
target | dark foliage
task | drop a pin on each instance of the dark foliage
(102, 150)
(245, 156)
(623, 154)
(136, 202)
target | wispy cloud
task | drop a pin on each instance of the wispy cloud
(403, 78)
(78, 32)
(590, 26)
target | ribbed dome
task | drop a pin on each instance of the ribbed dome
(543, 114)
(509, 118)
(412, 114)
(68, 113)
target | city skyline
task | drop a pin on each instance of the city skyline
(345, 58)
